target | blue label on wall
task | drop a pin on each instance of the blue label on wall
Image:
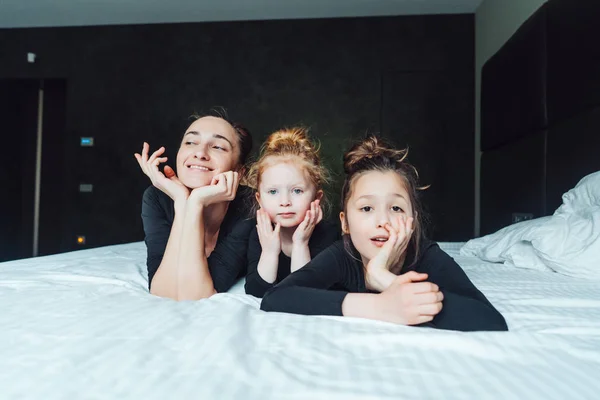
(87, 141)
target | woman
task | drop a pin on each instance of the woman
(196, 235)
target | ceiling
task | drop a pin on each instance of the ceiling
(38, 13)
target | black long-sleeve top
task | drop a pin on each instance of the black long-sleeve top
(319, 288)
(324, 234)
(226, 263)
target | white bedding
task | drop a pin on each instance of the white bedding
(82, 325)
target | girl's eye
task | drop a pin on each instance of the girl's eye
(219, 148)
(272, 191)
(297, 191)
(366, 208)
(397, 209)
(189, 143)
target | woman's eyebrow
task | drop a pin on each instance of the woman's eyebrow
(217, 136)
(214, 135)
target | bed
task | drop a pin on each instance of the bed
(83, 325)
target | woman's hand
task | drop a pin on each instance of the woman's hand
(409, 300)
(270, 240)
(168, 182)
(303, 231)
(393, 250)
(223, 187)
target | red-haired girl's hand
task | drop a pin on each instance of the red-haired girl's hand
(269, 238)
(168, 182)
(312, 217)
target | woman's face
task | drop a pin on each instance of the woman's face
(376, 198)
(209, 147)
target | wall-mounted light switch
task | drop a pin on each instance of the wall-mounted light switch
(86, 188)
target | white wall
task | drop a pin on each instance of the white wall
(495, 23)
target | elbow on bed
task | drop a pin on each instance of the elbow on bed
(494, 322)
(499, 323)
(269, 300)
(253, 290)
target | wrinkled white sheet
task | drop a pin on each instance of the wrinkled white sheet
(82, 325)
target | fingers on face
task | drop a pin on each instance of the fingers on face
(393, 234)
(229, 179)
(409, 226)
(306, 221)
(236, 181)
(319, 216)
(262, 221)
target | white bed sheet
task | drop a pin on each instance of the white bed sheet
(82, 325)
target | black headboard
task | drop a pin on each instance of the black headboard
(540, 112)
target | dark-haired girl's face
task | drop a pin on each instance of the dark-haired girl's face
(376, 199)
(209, 147)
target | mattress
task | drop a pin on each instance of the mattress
(82, 325)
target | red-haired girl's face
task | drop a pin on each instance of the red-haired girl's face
(285, 192)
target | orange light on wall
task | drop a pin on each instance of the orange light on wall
(80, 239)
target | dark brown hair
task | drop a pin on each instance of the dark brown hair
(374, 154)
(243, 134)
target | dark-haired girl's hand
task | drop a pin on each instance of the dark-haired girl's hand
(168, 182)
(269, 238)
(312, 217)
(394, 250)
(409, 300)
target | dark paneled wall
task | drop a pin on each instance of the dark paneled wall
(409, 77)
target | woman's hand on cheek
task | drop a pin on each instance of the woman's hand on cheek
(223, 187)
(312, 217)
(168, 182)
(269, 238)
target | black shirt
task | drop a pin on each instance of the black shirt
(226, 263)
(324, 234)
(305, 291)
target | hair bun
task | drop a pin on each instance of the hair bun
(289, 140)
(370, 149)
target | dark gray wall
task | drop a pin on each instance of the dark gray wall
(409, 77)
